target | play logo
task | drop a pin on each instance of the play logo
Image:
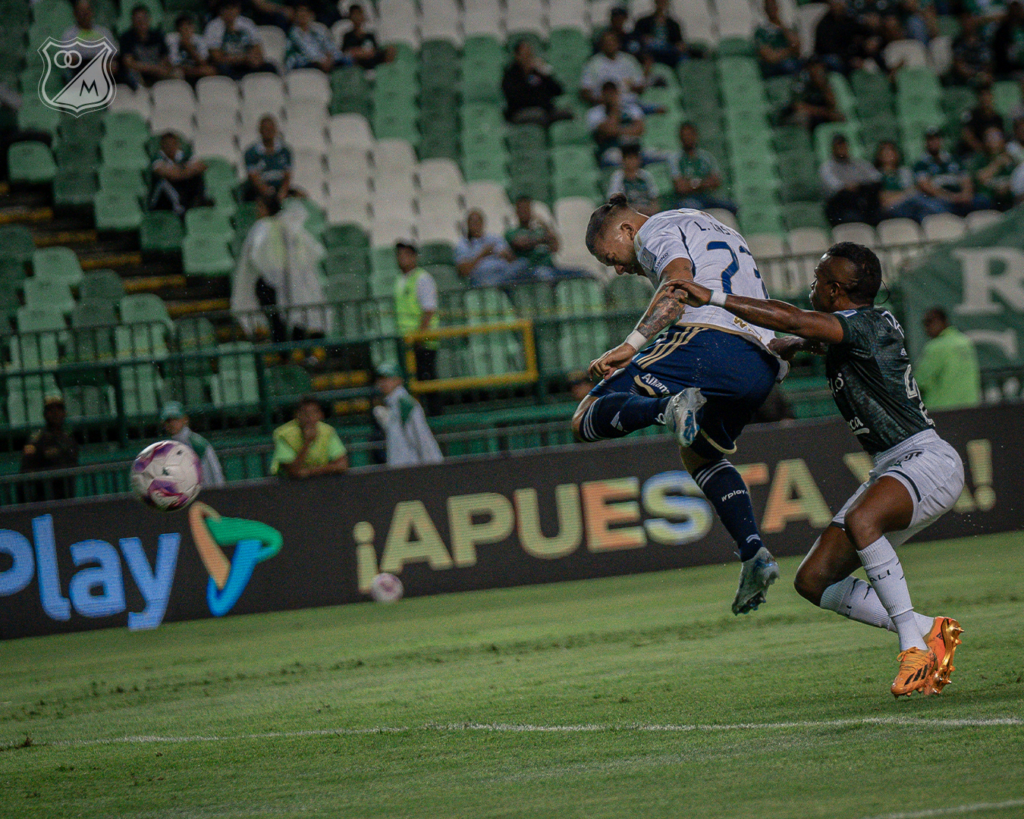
(252, 542)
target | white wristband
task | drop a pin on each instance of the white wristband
(717, 298)
(637, 340)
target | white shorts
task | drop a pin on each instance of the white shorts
(929, 468)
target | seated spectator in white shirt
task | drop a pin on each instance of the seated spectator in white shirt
(309, 42)
(187, 51)
(631, 179)
(486, 259)
(851, 185)
(234, 42)
(611, 64)
(614, 123)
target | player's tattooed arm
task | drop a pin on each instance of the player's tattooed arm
(812, 325)
(665, 309)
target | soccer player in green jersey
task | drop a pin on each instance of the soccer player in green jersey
(917, 477)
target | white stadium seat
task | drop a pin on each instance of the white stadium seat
(173, 94)
(525, 16)
(385, 231)
(307, 84)
(484, 22)
(805, 241)
(981, 219)
(910, 53)
(344, 209)
(765, 246)
(171, 119)
(274, 42)
(439, 226)
(216, 144)
(354, 188)
(735, 18)
(127, 99)
(263, 88)
(440, 21)
(940, 54)
(724, 216)
(569, 14)
(893, 232)
(218, 91)
(697, 20)
(438, 175)
(943, 227)
(350, 129)
(858, 232)
(215, 119)
(808, 17)
(349, 161)
(490, 198)
(394, 157)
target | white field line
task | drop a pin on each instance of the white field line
(512, 728)
(957, 810)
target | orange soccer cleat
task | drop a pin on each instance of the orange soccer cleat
(917, 669)
(943, 639)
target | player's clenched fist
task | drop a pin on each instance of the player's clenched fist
(688, 292)
(612, 360)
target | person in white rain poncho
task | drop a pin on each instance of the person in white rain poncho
(409, 440)
(278, 270)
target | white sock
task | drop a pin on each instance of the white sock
(855, 599)
(885, 573)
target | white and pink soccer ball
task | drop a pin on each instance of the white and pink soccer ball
(386, 588)
(166, 476)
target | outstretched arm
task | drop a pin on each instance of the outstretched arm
(773, 315)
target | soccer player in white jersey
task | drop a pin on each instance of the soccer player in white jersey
(703, 378)
(917, 477)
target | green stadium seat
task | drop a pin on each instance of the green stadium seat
(126, 125)
(432, 253)
(17, 242)
(124, 153)
(74, 188)
(236, 381)
(117, 211)
(34, 116)
(207, 221)
(351, 236)
(570, 132)
(141, 390)
(289, 381)
(805, 215)
(77, 156)
(30, 162)
(57, 263)
(206, 256)
(161, 232)
(51, 293)
(102, 285)
(446, 277)
(92, 334)
(122, 180)
(346, 287)
(341, 260)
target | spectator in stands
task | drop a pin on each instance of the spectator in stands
(618, 20)
(360, 45)
(50, 448)
(977, 122)
(921, 21)
(614, 123)
(485, 258)
(234, 42)
(177, 180)
(144, 54)
(695, 174)
(175, 421)
(972, 56)
(660, 35)
(530, 88)
(851, 185)
(1016, 149)
(611, 64)
(309, 42)
(839, 39)
(992, 169)
(900, 196)
(812, 101)
(268, 163)
(1008, 41)
(1017, 112)
(638, 185)
(947, 370)
(306, 446)
(85, 31)
(533, 242)
(778, 45)
(940, 176)
(188, 52)
(407, 436)
(416, 308)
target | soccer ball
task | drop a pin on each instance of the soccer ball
(166, 476)
(386, 588)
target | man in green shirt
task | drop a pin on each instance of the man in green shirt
(947, 371)
(695, 174)
(306, 447)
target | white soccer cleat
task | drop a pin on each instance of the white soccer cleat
(681, 414)
(756, 575)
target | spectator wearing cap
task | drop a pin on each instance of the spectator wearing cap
(660, 35)
(408, 439)
(177, 179)
(416, 308)
(268, 163)
(175, 421)
(306, 446)
(47, 449)
(939, 175)
(850, 185)
(144, 55)
(611, 64)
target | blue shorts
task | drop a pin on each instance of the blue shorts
(733, 374)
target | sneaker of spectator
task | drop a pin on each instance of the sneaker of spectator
(309, 42)
(978, 120)
(614, 123)
(1008, 42)
(992, 169)
(812, 101)
(778, 45)
(177, 177)
(939, 175)
(611, 64)
(144, 53)
(86, 31)
(187, 51)
(268, 163)
(899, 196)
(972, 56)
(637, 184)
(360, 45)
(530, 89)
(485, 259)
(534, 243)
(660, 35)
(851, 186)
(234, 42)
(839, 39)
(695, 174)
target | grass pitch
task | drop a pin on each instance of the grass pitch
(627, 697)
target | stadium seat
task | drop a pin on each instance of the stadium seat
(857, 232)
(309, 84)
(807, 241)
(895, 232)
(981, 219)
(72, 188)
(174, 95)
(275, 43)
(30, 162)
(161, 232)
(50, 293)
(57, 263)
(218, 92)
(101, 285)
(909, 53)
(117, 211)
(943, 227)
(17, 243)
(206, 256)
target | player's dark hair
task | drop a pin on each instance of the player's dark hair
(864, 288)
(600, 217)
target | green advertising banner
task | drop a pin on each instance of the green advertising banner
(979, 281)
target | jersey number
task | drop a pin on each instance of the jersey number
(734, 267)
